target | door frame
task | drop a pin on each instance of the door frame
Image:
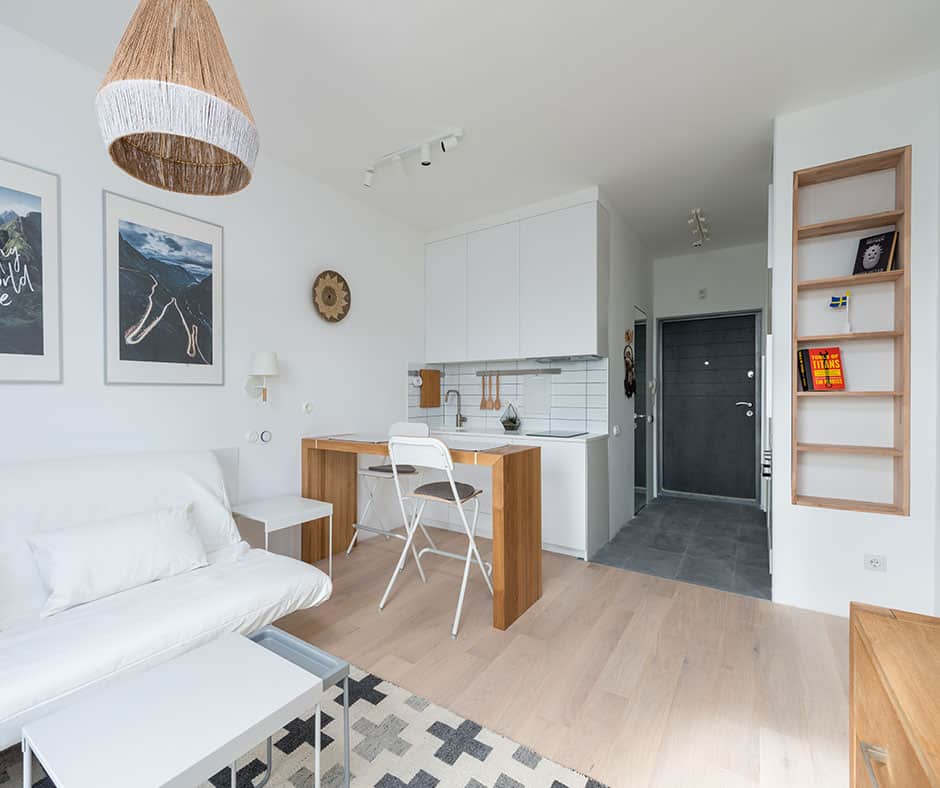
(649, 404)
(758, 402)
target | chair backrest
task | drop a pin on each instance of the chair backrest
(415, 429)
(422, 451)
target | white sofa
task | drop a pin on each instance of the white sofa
(46, 662)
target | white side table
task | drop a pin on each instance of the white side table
(286, 511)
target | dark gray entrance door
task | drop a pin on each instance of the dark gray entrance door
(709, 419)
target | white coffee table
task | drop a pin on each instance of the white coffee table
(286, 511)
(177, 724)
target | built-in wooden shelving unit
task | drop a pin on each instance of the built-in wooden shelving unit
(817, 464)
(861, 335)
(848, 281)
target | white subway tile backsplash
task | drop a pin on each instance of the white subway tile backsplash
(577, 398)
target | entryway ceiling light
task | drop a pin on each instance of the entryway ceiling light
(171, 108)
(699, 226)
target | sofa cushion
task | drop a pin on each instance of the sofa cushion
(44, 496)
(100, 558)
(47, 662)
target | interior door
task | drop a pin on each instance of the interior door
(709, 406)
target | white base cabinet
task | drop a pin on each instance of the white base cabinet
(574, 494)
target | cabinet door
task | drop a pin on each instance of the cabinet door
(564, 508)
(493, 293)
(445, 281)
(558, 275)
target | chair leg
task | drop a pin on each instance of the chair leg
(414, 551)
(365, 513)
(473, 545)
(463, 591)
(409, 544)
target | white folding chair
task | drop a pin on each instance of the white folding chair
(432, 453)
(377, 475)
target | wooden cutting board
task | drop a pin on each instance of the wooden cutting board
(430, 388)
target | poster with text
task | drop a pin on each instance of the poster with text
(29, 275)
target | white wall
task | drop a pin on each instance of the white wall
(818, 553)
(631, 284)
(735, 279)
(279, 233)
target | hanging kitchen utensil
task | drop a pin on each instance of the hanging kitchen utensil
(497, 404)
(489, 399)
(483, 397)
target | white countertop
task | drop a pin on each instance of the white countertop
(513, 437)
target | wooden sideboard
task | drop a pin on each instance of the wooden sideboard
(894, 688)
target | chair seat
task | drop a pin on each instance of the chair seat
(442, 491)
(403, 470)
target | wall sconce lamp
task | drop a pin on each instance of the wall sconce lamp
(263, 366)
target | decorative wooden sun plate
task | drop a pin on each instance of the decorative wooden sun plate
(331, 296)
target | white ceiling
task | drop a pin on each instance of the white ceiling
(666, 105)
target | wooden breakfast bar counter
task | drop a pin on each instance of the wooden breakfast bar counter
(329, 472)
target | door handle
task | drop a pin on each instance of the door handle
(872, 753)
(744, 404)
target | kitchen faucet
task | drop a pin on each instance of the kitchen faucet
(461, 419)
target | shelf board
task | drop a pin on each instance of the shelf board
(837, 448)
(850, 393)
(853, 223)
(852, 281)
(844, 503)
(860, 335)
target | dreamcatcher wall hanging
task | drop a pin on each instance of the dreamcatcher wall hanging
(629, 366)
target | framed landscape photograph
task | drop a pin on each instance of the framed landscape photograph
(30, 337)
(163, 304)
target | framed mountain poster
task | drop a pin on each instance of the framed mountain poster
(163, 301)
(30, 337)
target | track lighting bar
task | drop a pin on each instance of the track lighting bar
(445, 142)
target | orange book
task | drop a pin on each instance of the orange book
(826, 372)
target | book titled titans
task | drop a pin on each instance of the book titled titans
(820, 369)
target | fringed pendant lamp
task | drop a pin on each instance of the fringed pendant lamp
(171, 108)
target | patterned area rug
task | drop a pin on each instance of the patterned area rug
(398, 740)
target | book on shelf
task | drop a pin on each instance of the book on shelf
(876, 253)
(821, 369)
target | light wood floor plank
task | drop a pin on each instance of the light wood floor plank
(636, 680)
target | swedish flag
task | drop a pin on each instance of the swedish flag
(839, 302)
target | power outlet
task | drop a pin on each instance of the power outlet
(876, 563)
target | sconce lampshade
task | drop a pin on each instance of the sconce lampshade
(264, 364)
(171, 108)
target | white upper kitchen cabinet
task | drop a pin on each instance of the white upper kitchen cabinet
(563, 273)
(493, 293)
(445, 291)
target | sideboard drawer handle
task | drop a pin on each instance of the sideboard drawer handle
(872, 753)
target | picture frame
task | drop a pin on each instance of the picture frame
(30, 275)
(163, 296)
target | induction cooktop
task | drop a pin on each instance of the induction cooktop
(556, 434)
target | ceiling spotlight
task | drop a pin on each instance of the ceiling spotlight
(700, 230)
(449, 143)
(447, 140)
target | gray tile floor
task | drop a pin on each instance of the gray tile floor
(711, 543)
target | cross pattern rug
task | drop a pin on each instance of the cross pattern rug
(397, 740)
